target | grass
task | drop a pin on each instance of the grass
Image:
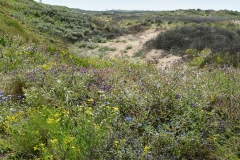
(106, 108)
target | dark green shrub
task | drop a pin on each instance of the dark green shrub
(3, 42)
(223, 43)
(198, 37)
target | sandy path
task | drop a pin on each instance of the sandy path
(136, 42)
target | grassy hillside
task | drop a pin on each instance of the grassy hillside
(58, 104)
(51, 23)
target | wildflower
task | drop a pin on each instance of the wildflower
(50, 120)
(129, 119)
(212, 98)
(178, 96)
(193, 105)
(57, 115)
(42, 144)
(53, 141)
(51, 157)
(96, 126)
(89, 111)
(68, 140)
(90, 100)
(35, 148)
(146, 149)
(116, 143)
(73, 147)
(139, 125)
(56, 121)
(106, 103)
(214, 138)
(115, 109)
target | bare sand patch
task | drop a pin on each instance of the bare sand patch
(136, 42)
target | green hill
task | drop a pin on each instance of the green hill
(34, 21)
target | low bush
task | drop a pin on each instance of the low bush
(198, 37)
(223, 43)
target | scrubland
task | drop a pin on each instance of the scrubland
(57, 101)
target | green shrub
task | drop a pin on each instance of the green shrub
(128, 47)
(218, 40)
(140, 54)
(198, 37)
(59, 133)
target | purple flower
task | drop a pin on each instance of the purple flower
(193, 105)
(147, 108)
(178, 96)
(220, 123)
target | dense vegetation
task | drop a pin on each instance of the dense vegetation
(56, 103)
(223, 42)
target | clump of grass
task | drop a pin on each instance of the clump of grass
(140, 54)
(128, 47)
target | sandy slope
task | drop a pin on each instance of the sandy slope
(137, 41)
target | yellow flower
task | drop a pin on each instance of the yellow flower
(57, 115)
(90, 100)
(116, 143)
(57, 120)
(53, 141)
(96, 126)
(50, 120)
(214, 139)
(146, 149)
(211, 98)
(68, 140)
(89, 111)
(73, 147)
(124, 140)
(35, 148)
(42, 144)
(51, 157)
(115, 109)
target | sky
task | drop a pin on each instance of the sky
(159, 5)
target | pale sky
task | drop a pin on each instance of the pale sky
(159, 5)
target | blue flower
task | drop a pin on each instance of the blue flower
(139, 125)
(129, 119)
(106, 103)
